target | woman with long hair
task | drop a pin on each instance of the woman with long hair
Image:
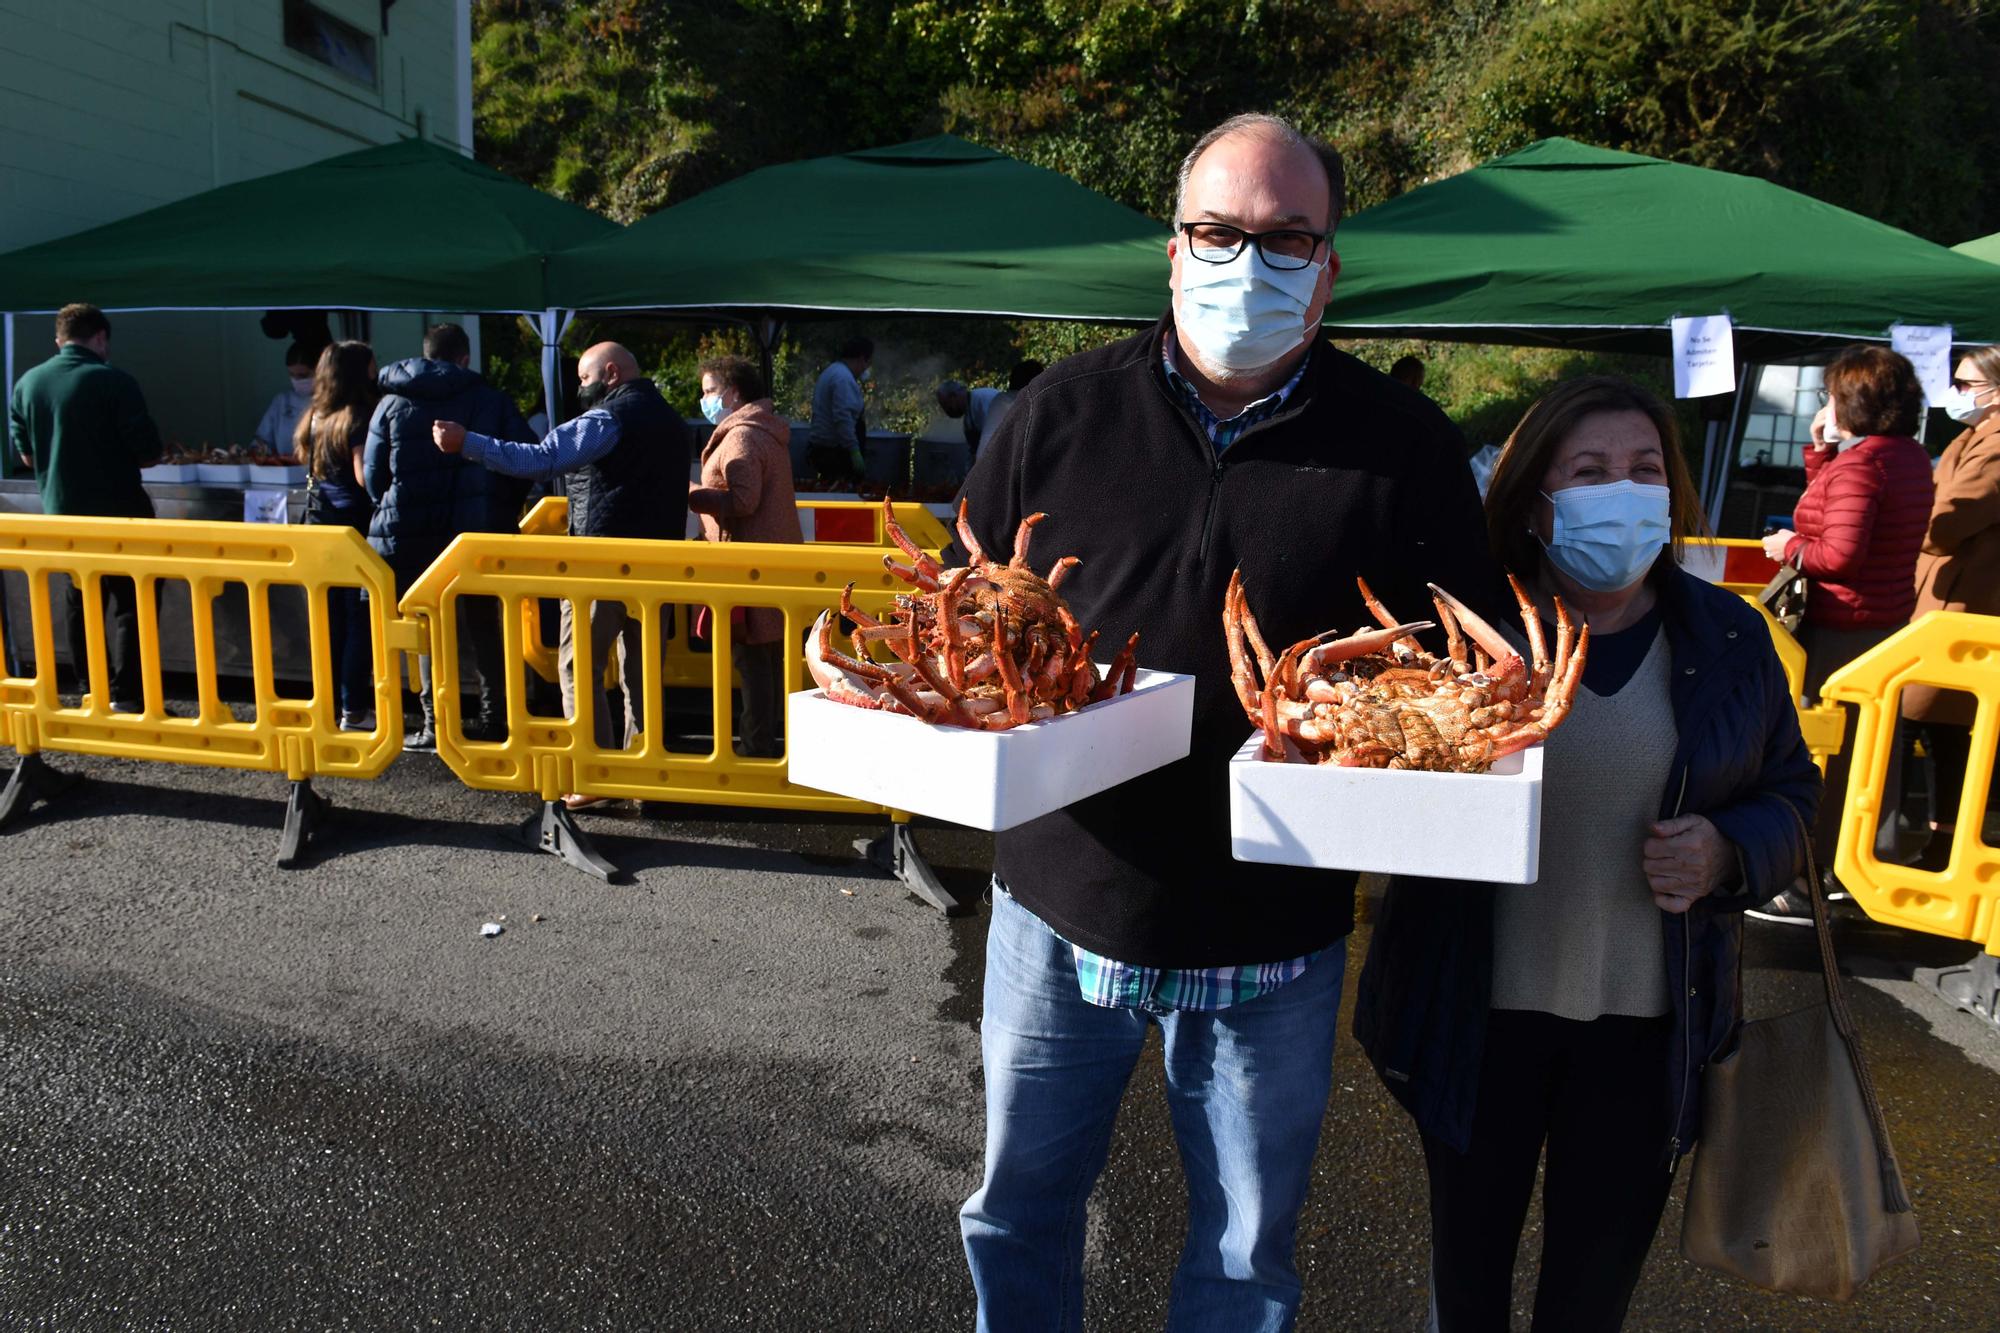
(330, 437)
(1575, 1016)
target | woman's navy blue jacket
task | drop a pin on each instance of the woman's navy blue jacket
(1421, 1008)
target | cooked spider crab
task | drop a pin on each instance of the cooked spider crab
(1376, 699)
(988, 645)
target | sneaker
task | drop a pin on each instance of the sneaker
(420, 739)
(1787, 909)
(574, 801)
(362, 720)
(485, 729)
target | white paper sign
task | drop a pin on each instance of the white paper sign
(264, 507)
(1704, 356)
(1928, 347)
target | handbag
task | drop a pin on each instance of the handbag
(1795, 1186)
(1785, 597)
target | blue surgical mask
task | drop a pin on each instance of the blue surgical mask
(1961, 404)
(1244, 315)
(1607, 537)
(711, 407)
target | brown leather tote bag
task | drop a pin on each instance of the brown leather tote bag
(1795, 1187)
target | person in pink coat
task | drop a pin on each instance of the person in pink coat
(745, 495)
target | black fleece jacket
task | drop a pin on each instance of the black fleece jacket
(1355, 475)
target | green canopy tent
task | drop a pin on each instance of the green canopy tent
(938, 226)
(1566, 245)
(404, 226)
(1562, 244)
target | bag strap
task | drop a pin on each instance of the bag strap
(1893, 1197)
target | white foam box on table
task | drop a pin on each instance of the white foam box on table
(1482, 826)
(170, 472)
(988, 779)
(222, 474)
(276, 474)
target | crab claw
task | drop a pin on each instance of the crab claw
(1364, 642)
(1489, 639)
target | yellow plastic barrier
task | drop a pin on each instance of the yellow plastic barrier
(555, 756)
(299, 737)
(1951, 651)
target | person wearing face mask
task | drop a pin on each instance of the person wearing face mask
(280, 422)
(1574, 1016)
(745, 495)
(625, 462)
(1959, 570)
(1855, 536)
(1230, 434)
(840, 413)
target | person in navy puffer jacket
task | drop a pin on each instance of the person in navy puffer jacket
(1859, 527)
(425, 497)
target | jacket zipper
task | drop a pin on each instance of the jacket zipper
(1208, 519)
(1687, 1023)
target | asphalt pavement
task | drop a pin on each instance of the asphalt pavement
(742, 1092)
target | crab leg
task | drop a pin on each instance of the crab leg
(1020, 560)
(1237, 626)
(921, 561)
(973, 550)
(1381, 614)
(1061, 571)
(1010, 674)
(1531, 620)
(949, 627)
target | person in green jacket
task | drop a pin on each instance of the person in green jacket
(83, 427)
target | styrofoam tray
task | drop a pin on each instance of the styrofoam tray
(169, 472)
(276, 474)
(1483, 826)
(210, 474)
(988, 779)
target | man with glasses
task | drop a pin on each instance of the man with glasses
(1230, 434)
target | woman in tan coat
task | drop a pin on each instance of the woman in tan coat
(745, 495)
(1959, 570)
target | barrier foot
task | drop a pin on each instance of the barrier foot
(1973, 987)
(32, 780)
(554, 831)
(305, 812)
(896, 852)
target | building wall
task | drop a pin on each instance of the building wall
(112, 107)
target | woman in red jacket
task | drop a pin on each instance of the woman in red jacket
(1859, 527)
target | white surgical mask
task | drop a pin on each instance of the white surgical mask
(1961, 404)
(711, 408)
(302, 386)
(1244, 315)
(1607, 537)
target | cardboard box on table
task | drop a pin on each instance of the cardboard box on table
(988, 779)
(1481, 826)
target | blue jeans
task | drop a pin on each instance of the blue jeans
(1247, 1087)
(352, 648)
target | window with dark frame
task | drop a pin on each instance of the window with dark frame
(333, 42)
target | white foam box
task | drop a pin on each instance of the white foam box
(222, 474)
(1481, 826)
(170, 472)
(988, 779)
(276, 474)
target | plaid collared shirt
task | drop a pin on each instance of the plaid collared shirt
(1222, 432)
(1110, 984)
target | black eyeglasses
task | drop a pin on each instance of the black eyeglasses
(1218, 243)
(1966, 386)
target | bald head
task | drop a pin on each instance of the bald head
(601, 369)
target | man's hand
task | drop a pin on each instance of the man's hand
(1776, 542)
(449, 436)
(1686, 859)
